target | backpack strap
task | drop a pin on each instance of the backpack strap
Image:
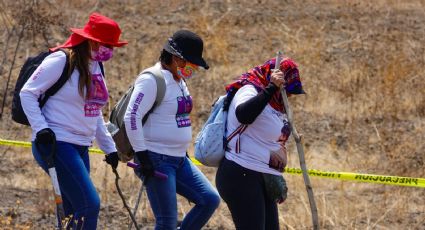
(238, 141)
(58, 84)
(155, 71)
(102, 69)
(240, 129)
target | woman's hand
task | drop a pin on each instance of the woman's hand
(278, 159)
(112, 159)
(277, 78)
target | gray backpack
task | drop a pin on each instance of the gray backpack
(116, 124)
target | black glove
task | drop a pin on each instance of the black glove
(45, 136)
(146, 168)
(112, 159)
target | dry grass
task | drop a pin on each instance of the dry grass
(361, 64)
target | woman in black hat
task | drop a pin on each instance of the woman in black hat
(161, 142)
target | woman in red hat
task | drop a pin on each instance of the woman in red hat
(249, 178)
(71, 119)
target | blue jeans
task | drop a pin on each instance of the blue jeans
(79, 195)
(184, 179)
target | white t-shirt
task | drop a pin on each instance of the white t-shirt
(259, 139)
(72, 118)
(168, 128)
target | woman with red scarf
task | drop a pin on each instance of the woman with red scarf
(249, 178)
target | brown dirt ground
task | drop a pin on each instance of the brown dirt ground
(361, 64)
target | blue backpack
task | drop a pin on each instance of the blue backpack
(211, 141)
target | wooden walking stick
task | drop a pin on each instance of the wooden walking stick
(117, 177)
(139, 196)
(300, 150)
(50, 161)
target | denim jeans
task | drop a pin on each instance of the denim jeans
(79, 195)
(184, 179)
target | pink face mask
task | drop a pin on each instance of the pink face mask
(102, 54)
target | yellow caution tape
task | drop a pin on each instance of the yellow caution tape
(28, 144)
(15, 143)
(196, 162)
(368, 178)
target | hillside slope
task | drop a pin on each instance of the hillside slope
(361, 64)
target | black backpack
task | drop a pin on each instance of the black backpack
(30, 65)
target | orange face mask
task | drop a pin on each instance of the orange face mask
(188, 71)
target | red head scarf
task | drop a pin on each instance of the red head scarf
(259, 77)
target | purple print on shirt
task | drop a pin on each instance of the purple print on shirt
(133, 120)
(98, 92)
(92, 109)
(37, 74)
(97, 96)
(184, 107)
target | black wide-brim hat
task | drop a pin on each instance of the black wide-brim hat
(187, 45)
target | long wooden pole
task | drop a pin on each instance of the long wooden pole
(300, 150)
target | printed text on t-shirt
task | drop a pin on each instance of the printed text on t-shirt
(133, 120)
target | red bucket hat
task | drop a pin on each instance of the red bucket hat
(99, 28)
